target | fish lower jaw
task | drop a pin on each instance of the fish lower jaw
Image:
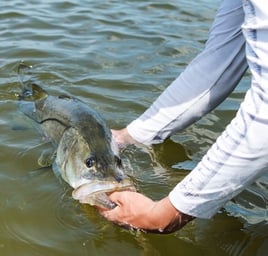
(97, 194)
(101, 199)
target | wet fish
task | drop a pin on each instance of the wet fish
(86, 154)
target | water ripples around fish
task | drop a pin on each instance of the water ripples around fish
(116, 56)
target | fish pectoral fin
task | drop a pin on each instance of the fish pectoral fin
(47, 158)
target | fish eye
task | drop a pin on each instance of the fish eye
(90, 161)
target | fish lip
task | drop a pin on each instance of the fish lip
(92, 188)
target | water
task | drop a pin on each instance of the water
(117, 56)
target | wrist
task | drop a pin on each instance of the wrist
(166, 218)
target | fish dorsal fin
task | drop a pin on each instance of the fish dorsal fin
(30, 90)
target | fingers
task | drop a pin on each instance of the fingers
(115, 215)
(119, 197)
(119, 214)
(115, 198)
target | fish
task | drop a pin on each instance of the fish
(87, 156)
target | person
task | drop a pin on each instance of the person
(238, 39)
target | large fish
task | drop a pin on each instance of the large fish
(86, 154)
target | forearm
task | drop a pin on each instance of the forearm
(205, 83)
(238, 157)
(168, 218)
(164, 218)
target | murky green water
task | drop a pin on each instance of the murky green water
(117, 56)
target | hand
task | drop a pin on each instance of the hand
(137, 211)
(122, 137)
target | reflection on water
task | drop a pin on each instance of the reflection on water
(117, 56)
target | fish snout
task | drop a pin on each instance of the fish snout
(111, 170)
(115, 169)
(118, 174)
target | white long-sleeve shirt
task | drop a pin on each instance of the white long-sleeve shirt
(240, 154)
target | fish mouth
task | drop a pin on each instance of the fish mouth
(96, 193)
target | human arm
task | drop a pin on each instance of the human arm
(204, 84)
(137, 211)
(239, 155)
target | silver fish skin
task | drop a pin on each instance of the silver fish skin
(86, 154)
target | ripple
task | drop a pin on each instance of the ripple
(252, 204)
(117, 56)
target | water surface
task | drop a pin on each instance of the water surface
(117, 56)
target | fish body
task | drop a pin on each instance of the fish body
(86, 154)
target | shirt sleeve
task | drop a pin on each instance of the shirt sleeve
(240, 154)
(205, 83)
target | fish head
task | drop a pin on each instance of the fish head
(91, 167)
(81, 159)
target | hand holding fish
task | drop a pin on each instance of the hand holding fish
(137, 211)
(122, 137)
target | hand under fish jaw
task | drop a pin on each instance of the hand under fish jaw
(100, 200)
(97, 194)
